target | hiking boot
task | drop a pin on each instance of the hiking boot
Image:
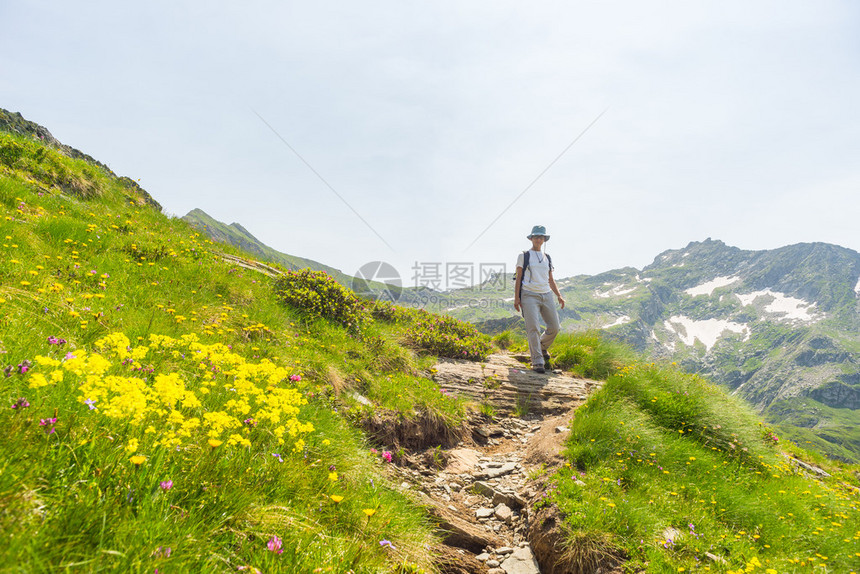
(540, 370)
(546, 359)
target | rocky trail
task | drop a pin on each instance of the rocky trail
(482, 491)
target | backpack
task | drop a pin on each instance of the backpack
(526, 255)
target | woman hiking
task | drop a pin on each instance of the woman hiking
(533, 291)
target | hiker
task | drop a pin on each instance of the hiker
(533, 291)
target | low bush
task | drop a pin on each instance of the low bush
(447, 337)
(389, 312)
(318, 295)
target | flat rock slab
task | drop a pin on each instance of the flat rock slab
(506, 468)
(510, 386)
(462, 460)
(522, 561)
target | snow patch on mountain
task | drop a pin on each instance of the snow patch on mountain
(707, 331)
(857, 288)
(670, 345)
(616, 291)
(708, 287)
(792, 308)
(619, 321)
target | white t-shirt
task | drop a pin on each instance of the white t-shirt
(536, 276)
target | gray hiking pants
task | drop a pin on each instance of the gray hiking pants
(536, 305)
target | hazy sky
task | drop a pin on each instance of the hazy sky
(730, 120)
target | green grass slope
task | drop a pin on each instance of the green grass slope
(667, 473)
(162, 409)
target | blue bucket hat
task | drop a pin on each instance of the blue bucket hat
(538, 230)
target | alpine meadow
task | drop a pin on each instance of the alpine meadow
(173, 404)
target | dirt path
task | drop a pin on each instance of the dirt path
(482, 491)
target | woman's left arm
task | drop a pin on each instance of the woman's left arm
(555, 290)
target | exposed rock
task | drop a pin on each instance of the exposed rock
(513, 500)
(813, 469)
(494, 469)
(461, 533)
(837, 395)
(503, 513)
(511, 386)
(462, 460)
(715, 558)
(671, 533)
(506, 468)
(482, 488)
(361, 399)
(455, 561)
(521, 561)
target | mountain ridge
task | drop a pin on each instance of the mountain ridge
(15, 123)
(237, 235)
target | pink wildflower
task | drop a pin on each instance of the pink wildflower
(274, 545)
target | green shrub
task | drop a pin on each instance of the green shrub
(318, 295)
(447, 337)
(386, 311)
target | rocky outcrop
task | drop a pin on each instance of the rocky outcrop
(510, 386)
(837, 395)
